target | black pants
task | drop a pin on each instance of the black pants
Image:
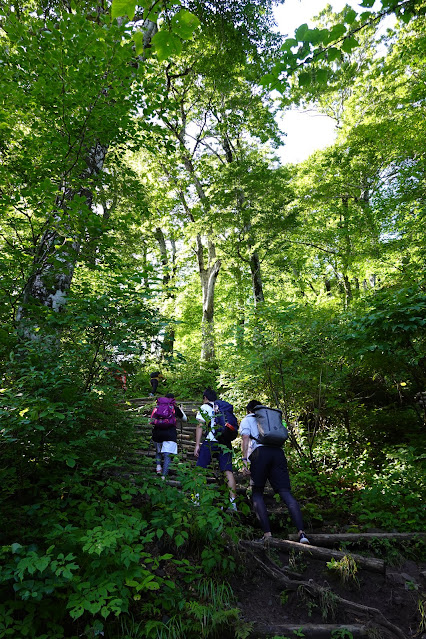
(269, 463)
(154, 384)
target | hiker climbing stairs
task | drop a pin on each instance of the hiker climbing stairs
(142, 408)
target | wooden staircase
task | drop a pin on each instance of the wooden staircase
(141, 408)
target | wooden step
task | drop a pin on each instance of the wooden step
(330, 539)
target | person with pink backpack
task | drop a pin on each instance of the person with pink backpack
(164, 431)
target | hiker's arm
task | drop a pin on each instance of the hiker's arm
(245, 441)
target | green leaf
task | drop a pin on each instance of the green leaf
(170, 584)
(321, 76)
(350, 17)
(333, 54)
(313, 35)
(304, 79)
(367, 3)
(123, 8)
(267, 80)
(406, 16)
(337, 32)
(15, 547)
(166, 44)
(70, 462)
(138, 39)
(132, 583)
(300, 32)
(349, 44)
(179, 541)
(289, 43)
(42, 563)
(184, 24)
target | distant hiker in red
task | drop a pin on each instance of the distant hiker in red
(164, 432)
(120, 377)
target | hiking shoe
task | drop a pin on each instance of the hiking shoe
(158, 470)
(262, 540)
(232, 507)
(195, 499)
(303, 539)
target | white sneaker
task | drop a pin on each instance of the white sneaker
(195, 499)
(303, 539)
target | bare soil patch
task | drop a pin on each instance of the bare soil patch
(266, 601)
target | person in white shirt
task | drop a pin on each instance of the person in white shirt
(204, 452)
(267, 462)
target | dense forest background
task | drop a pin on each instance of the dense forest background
(147, 223)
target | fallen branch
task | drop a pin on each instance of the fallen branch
(324, 539)
(316, 631)
(368, 563)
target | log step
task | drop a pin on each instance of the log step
(311, 631)
(333, 539)
(375, 565)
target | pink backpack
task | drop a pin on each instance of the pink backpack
(163, 415)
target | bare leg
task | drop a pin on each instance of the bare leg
(231, 483)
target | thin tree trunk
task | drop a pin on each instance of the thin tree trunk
(208, 276)
(256, 278)
(168, 273)
(344, 219)
(240, 324)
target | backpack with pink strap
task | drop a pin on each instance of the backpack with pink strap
(164, 415)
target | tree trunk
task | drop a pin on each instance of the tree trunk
(56, 257)
(240, 313)
(53, 267)
(209, 274)
(347, 252)
(254, 261)
(208, 277)
(168, 274)
(256, 278)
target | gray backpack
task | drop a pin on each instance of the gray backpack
(272, 431)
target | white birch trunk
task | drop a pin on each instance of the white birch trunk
(53, 268)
